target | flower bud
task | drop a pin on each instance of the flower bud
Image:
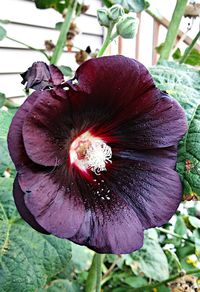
(102, 16)
(127, 26)
(115, 12)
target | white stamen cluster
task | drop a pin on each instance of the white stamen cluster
(89, 152)
(97, 156)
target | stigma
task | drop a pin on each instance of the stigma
(88, 152)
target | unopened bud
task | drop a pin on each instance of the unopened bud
(127, 26)
(102, 16)
(116, 12)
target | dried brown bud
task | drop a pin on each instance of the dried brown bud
(73, 31)
(81, 56)
(49, 45)
(84, 8)
(69, 45)
(192, 10)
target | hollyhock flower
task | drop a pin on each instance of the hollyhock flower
(95, 156)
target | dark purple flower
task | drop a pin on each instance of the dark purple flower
(96, 160)
(41, 76)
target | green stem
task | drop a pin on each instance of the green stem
(189, 48)
(63, 32)
(93, 282)
(109, 38)
(99, 261)
(174, 234)
(173, 29)
(28, 46)
(170, 279)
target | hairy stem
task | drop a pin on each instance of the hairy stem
(173, 29)
(94, 279)
(109, 38)
(63, 32)
(189, 48)
(174, 234)
(28, 46)
(170, 279)
(99, 261)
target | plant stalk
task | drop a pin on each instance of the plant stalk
(173, 29)
(174, 234)
(93, 282)
(99, 261)
(109, 38)
(63, 32)
(170, 279)
(189, 48)
(28, 46)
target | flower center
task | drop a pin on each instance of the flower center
(89, 152)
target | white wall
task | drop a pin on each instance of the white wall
(33, 26)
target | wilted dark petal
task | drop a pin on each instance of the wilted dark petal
(110, 226)
(46, 129)
(41, 76)
(56, 75)
(23, 211)
(153, 191)
(15, 139)
(162, 125)
(57, 208)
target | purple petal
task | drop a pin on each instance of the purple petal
(153, 190)
(46, 129)
(161, 125)
(110, 226)
(15, 139)
(98, 77)
(57, 207)
(23, 211)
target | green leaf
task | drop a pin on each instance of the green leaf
(183, 83)
(135, 281)
(193, 58)
(59, 25)
(177, 54)
(129, 5)
(67, 71)
(2, 99)
(27, 258)
(61, 286)
(180, 227)
(173, 261)
(194, 221)
(150, 260)
(5, 160)
(58, 5)
(2, 33)
(81, 257)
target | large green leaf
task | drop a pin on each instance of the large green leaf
(28, 259)
(61, 285)
(5, 120)
(183, 83)
(150, 260)
(129, 5)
